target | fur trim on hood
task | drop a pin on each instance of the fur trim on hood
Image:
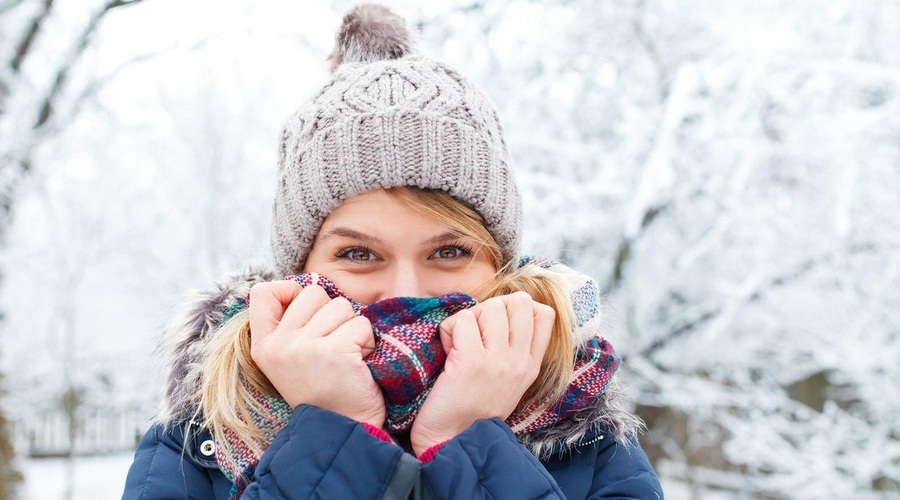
(184, 343)
(184, 347)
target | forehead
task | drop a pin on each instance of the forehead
(376, 211)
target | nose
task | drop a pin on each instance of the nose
(405, 280)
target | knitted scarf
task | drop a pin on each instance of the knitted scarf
(407, 359)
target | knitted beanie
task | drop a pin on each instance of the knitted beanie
(390, 117)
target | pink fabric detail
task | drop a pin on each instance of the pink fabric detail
(428, 455)
(377, 432)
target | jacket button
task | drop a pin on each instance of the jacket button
(208, 448)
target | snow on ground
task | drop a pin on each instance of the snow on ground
(96, 478)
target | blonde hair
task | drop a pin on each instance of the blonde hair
(229, 373)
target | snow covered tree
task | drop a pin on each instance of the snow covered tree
(726, 174)
(124, 209)
(41, 45)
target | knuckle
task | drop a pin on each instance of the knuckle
(493, 302)
(260, 289)
(465, 314)
(357, 324)
(341, 303)
(314, 291)
(361, 321)
(546, 311)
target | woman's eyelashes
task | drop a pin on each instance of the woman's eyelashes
(357, 254)
(452, 252)
(363, 254)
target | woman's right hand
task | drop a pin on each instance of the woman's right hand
(311, 348)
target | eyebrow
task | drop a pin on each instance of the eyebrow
(346, 232)
(444, 238)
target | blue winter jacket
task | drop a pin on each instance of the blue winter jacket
(321, 454)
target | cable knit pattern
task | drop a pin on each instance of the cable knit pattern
(410, 121)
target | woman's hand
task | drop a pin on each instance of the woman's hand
(312, 347)
(494, 353)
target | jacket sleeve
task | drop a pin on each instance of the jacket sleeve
(162, 471)
(486, 461)
(623, 471)
(321, 454)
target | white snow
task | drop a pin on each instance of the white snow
(96, 478)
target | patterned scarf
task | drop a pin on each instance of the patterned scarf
(408, 357)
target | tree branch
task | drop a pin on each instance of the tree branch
(97, 84)
(24, 47)
(119, 3)
(646, 41)
(751, 296)
(17, 163)
(62, 74)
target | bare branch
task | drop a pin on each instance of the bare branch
(120, 3)
(16, 159)
(62, 74)
(97, 84)
(17, 163)
(758, 292)
(24, 47)
(646, 41)
(679, 331)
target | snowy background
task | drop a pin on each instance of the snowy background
(728, 171)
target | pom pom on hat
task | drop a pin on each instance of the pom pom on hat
(370, 32)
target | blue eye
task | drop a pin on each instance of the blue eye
(360, 254)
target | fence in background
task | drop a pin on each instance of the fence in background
(97, 431)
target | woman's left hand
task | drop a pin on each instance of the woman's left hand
(494, 354)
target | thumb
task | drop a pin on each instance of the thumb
(444, 331)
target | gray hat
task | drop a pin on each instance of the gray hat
(390, 117)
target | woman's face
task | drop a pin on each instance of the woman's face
(374, 247)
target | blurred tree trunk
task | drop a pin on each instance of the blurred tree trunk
(10, 478)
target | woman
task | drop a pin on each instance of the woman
(409, 352)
